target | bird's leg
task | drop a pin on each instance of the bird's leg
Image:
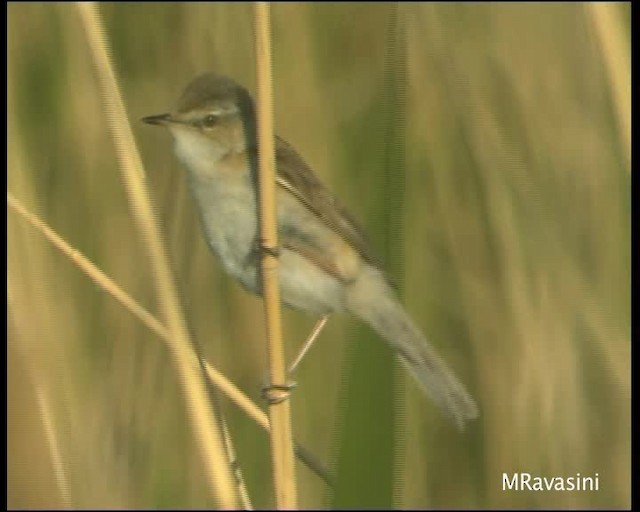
(317, 329)
(260, 249)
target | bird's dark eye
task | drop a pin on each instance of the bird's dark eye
(210, 121)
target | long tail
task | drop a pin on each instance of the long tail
(372, 300)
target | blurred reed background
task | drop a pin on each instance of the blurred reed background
(482, 146)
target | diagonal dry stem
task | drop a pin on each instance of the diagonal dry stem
(313, 336)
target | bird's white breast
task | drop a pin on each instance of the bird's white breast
(226, 200)
(227, 205)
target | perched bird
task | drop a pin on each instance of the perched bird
(325, 262)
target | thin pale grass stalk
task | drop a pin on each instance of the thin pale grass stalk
(279, 407)
(108, 285)
(614, 46)
(243, 495)
(206, 429)
(311, 339)
(48, 423)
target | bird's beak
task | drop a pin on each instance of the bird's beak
(161, 119)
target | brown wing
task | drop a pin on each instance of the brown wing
(295, 176)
